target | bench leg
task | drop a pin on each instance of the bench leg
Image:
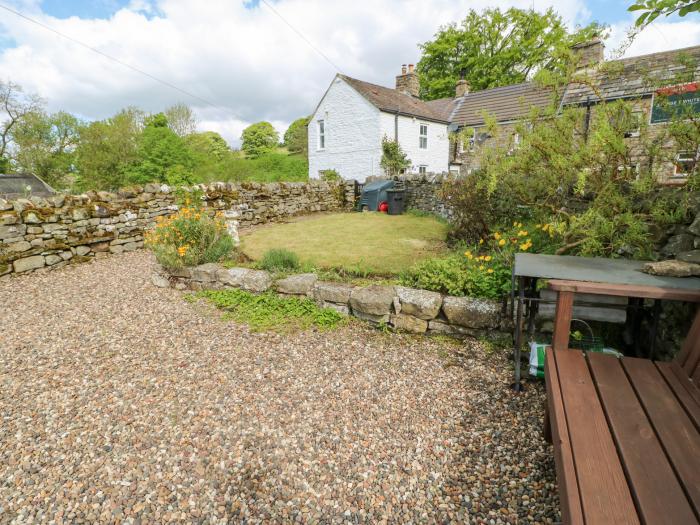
(547, 430)
(562, 320)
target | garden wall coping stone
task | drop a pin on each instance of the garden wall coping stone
(472, 313)
(299, 284)
(423, 304)
(373, 300)
(332, 292)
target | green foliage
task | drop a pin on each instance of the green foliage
(279, 260)
(269, 312)
(330, 176)
(394, 159)
(107, 150)
(496, 48)
(45, 145)
(259, 138)
(181, 119)
(652, 9)
(163, 155)
(296, 137)
(207, 146)
(189, 238)
(270, 167)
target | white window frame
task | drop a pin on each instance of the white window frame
(638, 115)
(321, 145)
(422, 169)
(422, 137)
(683, 156)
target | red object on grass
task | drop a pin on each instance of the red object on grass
(384, 207)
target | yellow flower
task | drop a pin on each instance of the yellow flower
(490, 270)
(524, 247)
(515, 223)
(181, 251)
(501, 242)
(488, 258)
(522, 233)
(520, 225)
(468, 254)
(481, 267)
(481, 241)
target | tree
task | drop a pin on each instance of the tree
(296, 137)
(45, 145)
(208, 145)
(259, 138)
(496, 48)
(394, 159)
(14, 105)
(181, 119)
(108, 149)
(652, 9)
(163, 156)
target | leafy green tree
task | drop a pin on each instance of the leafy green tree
(296, 137)
(652, 9)
(259, 138)
(107, 149)
(45, 145)
(15, 104)
(496, 48)
(163, 155)
(394, 159)
(181, 119)
(208, 145)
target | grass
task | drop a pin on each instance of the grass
(267, 311)
(360, 244)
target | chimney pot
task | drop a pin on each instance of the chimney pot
(410, 68)
(403, 69)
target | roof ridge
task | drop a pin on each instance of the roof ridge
(656, 53)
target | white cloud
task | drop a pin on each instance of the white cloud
(245, 61)
(660, 36)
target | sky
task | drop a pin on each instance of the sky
(236, 61)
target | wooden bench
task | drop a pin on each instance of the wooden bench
(626, 433)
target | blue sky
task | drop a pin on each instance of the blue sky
(241, 57)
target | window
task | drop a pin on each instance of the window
(635, 124)
(685, 163)
(423, 136)
(422, 169)
(321, 134)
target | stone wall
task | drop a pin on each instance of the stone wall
(41, 232)
(406, 309)
(422, 192)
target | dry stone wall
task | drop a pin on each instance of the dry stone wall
(405, 309)
(39, 232)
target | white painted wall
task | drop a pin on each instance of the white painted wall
(435, 157)
(353, 140)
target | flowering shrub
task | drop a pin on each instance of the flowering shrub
(189, 238)
(484, 269)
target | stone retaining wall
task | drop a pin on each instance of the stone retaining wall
(41, 232)
(405, 309)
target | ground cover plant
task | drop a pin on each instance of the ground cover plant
(362, 244)
(189, 237)
(268, 311)
(481, 269)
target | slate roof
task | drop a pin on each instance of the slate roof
(16, 185)
(504, 103)
(391, 101)
(632, 77)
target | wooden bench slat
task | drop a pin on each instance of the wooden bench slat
(684, 390)
(626, 290)
(677, 433)
(605, 495)
(569, 499)
(658, 495)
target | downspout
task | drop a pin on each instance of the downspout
(396, 126)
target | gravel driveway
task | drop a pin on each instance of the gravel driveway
(123, 403)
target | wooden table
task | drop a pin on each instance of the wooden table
(565, 300)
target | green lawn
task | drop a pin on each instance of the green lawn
(376, 243)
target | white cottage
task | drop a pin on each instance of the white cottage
(347, 127)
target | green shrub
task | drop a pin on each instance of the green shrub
(268, 167)
(269, 312)
(189, 238)
(330, 176)
(279, 260)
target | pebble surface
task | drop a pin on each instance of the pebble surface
(123, 403)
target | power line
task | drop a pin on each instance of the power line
(301, 36)
(113, 59)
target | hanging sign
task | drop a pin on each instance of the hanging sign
(675, 100)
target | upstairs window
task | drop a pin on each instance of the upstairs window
(685, 163)
(423, 136)
(422, 169)
(321, 134)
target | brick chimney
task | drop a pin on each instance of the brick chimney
(589, 53)
(407, 82)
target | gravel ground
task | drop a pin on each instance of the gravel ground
(123, 403)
